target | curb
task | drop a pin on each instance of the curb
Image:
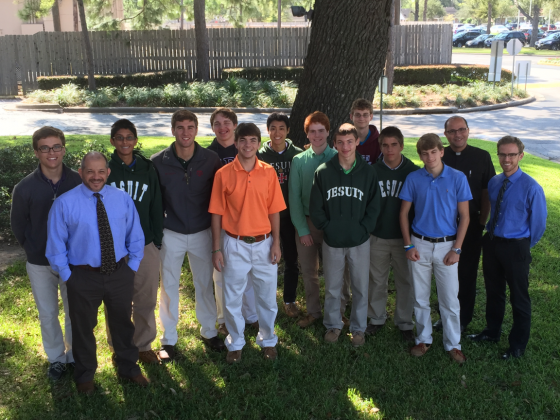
(163, 110)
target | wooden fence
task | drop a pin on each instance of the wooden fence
(125, 52)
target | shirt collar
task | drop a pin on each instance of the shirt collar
(328, 148)
(443, 174)
(62, 177)
(515, 176)
(397, 167)
(89, 193)
(237, 165)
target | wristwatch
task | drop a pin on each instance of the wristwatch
(456, 250)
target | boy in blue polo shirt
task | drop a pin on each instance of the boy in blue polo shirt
(439, 194)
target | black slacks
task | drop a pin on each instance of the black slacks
(468, 269)
(290, 255)
(86, 291)
(506, 262)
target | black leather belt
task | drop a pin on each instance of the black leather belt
(435, 240)
(500, 239)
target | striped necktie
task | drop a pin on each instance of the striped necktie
(498, 205)
(108, 261)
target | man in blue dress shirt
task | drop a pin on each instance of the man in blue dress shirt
(90, 230)
(517, 222)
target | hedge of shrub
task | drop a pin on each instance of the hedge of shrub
(118, 80)
(457, 74)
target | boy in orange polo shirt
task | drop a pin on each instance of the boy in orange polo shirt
(246, 202)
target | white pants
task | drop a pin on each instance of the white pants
(447, 282)
(357, 261)
(198, 247)
(44, 285)
(249, 262)
(248, 308)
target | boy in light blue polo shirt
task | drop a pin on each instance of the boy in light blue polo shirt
(440, 194)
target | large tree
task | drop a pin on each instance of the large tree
(87, 45)
(345, 58)
(202, 44)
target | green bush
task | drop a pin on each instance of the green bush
(264, 73)
(457, 74)
(117, 80)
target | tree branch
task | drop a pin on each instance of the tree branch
(523, 12)
(134, 17)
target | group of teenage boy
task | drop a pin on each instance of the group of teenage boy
(117, 229)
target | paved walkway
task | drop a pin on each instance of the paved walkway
(536, 123)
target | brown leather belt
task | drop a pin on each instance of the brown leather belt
(249, 239)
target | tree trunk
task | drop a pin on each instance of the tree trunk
(534, 19)
(425, 11)
(202, 44)
(75, 13)
(56, 16)
(489, 23)
(390, 62)
(87, 45)
(416, 10)
(279, 14)
(344, 61)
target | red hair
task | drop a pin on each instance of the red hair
(316, 117)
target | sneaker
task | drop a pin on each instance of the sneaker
(420, 350)
(148, 357)
(223, 330)
(457, 356)
(270, 353)
(292, 310)
(56, 370)
(331, 336)
(233, 356)
(358, 338)
(306, 321)
(372, 329)
(345, 321)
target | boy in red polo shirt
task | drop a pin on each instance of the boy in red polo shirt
(246, 202)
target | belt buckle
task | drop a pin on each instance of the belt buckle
(249, 239)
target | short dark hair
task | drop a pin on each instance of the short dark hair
(277, 116)
(345, 129)
(226, 112)
(123, 124)
(393, 132)
(453, 117)
(47, 131)
(247, 129)
(183, 115)
(94, 155)
(428, 142)
(511, 140)
(361, 103)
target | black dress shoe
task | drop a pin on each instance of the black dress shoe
(513, 354)
(438, 325)
(483, 336)
(167, 353)
(215, 343)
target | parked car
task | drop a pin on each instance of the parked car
(506, 37)
(460, 39)
(548, 27)
(478, 42)
(496, 29)
(551, 42)
(552, 31)
(511, 26)
(528, 33)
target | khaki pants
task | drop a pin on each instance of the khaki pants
(384, 254)
(146, 282)
(309, 262)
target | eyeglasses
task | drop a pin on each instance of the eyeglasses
(459, 130)
(121, 138)
(56, 148)
(507, 155)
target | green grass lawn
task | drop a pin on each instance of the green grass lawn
(310, 379)
(524, 51)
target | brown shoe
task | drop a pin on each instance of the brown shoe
(407, 336)
(270, 353)
(292, 310)
(345, 321)
(233, 356)
(358, 338)
(223, 330)
(306, 321)
(167, 353)
(331, 336)
(373, 329)
(457, 356)
(86, 388)
(148, 357)
(419, 350)
(139, 379)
